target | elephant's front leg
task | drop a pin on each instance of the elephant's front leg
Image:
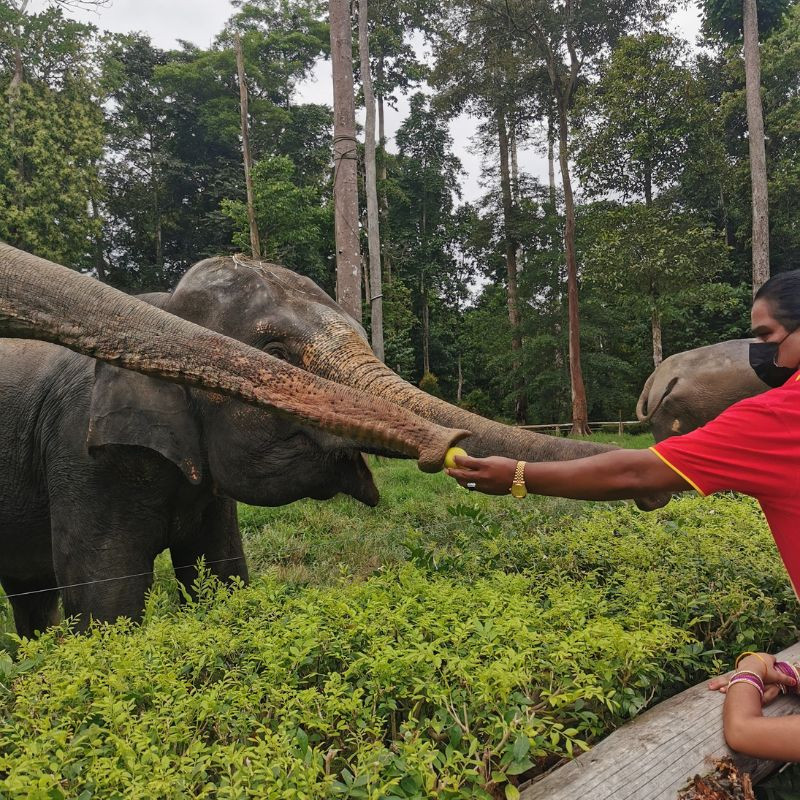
(217, 540)
(103, 559)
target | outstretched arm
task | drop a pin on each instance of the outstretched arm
(616, 475)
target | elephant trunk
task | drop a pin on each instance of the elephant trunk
(643, 410)
(42, 300)
(340, 354)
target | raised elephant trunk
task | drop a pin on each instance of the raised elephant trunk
(42, 300)
(643, 410)
(337, 352)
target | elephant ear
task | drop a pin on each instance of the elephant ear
(132, 409)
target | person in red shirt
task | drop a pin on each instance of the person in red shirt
(753, 447)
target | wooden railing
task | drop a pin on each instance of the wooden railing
(617, 426)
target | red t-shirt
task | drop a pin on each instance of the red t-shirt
(752, 447)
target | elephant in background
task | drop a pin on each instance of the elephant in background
(689, 389)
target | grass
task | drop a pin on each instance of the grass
(313, 542)
(320, 542)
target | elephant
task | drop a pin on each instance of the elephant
(690, 388)
(103, 467)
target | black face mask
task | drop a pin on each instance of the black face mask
(762, 360)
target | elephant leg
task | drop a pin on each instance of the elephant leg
(114, 586)
(217, 539)
(104, 553)
(37, 607)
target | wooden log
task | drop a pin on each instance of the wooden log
(655, 755)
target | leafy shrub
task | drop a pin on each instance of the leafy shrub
(510, 640)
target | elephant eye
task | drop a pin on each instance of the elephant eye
(277, 350)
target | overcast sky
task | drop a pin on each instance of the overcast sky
(199, 21)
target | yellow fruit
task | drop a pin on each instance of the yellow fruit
(449, 458)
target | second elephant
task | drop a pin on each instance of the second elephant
(690, 388)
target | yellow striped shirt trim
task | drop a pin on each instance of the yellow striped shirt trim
(676, 470)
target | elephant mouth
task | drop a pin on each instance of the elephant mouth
(357, 480)
(340, 467)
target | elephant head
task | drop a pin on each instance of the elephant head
(690, 388)
(289, 316)
(42, 300)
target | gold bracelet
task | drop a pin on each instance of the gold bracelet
(518, 488)
(750, 653)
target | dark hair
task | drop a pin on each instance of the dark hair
(782, 292)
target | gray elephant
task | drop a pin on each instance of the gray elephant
(690, 388)
(103, 468)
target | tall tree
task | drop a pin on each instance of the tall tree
(139, 167)
(345, 172)
(396, 66)
(647, 257)
(477, 69)
(569, 37)
(52, 141)
(422, 212)
(634, 130)
(296, 218)
(373, 222)
(734, 19)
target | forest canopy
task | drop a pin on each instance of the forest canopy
(124, 160)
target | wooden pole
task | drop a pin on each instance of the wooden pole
(255, 241)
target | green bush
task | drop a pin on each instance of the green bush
(510, 639)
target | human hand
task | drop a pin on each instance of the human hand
(763, 665)
(492, 475)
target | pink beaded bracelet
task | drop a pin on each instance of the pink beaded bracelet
(745, 676)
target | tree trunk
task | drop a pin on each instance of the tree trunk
(158, 248)
(580, 414)
(373, 229)
(730, 233)
(345, 157)
(255, 241)
(99, 263)
(365, 275)
(758, 157)
(460, 386)
(551, 167)
(658, 353)
(384, 199)
(512, 141)
(423, 291)
(426, 331)
(520, 402)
